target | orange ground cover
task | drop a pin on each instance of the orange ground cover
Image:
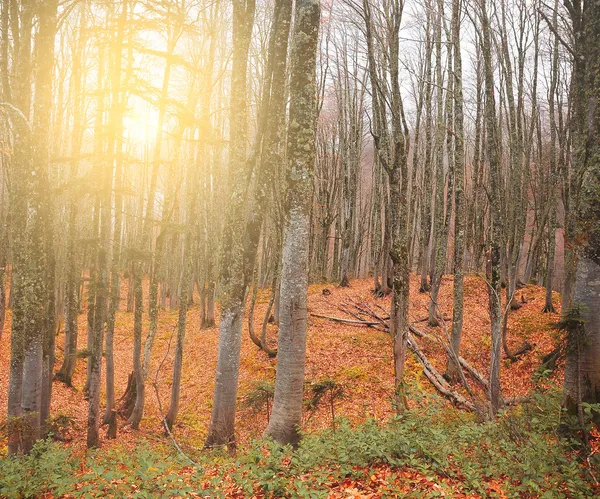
(358, 357)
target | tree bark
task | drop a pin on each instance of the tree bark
(459, 202)
(493, 155)
(286, 417)
(582, 369)
(222, 423)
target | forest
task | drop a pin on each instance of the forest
(299, 248)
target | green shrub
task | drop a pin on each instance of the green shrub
(47, 468)
(521, 450)
(146, 472)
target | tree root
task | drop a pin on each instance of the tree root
(127, 401)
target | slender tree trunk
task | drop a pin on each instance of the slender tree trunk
(116, 153)
(459, 202)
(210, 305)
(548, 305)
(426, 225)
(138, 410)
(286, 417)
(65, 373)
(494, 288)
(222, 423)
(184, 302)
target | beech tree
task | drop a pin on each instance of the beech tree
(582, 370)
(286, 417)
(493, 253)
(32, 345)
(390, 136)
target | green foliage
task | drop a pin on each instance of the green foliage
(260, 394)
(319, 389)
(144, 473)
(120, 473)
(354, 373)
(521, 450)
(47, 468)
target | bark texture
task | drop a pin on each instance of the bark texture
(286, 418)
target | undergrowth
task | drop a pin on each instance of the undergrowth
(522, 451)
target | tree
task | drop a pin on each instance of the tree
(286, 418)
(493, 254)
(232, 272)
(390, 137)
(65, 373)
(582, 369)
(459, 202)
(32, 347)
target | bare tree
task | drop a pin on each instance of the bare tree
(286, 416)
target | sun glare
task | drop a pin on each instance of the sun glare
(140, 122)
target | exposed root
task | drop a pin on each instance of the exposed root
(127, 401)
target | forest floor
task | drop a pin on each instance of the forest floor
(359, 358)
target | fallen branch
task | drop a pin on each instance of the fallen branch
(346, 321)
(430, 372)
(524, 349)
(475, 374)
(437, 380)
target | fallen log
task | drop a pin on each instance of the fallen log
(432, 374)
(437, 380)
(475, 374)
(346, 321)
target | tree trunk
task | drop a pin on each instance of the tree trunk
(582, 367)
(494, 288)
(184, 301)
(35, 272)
(65, 373)
(459, 203)
(232, 274)
(286, 417)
